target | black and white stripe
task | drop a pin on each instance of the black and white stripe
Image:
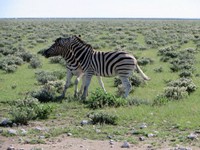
(101, 63)
(73, 67)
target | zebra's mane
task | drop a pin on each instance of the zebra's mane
(82, 42)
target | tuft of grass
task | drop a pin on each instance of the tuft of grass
(100, 99)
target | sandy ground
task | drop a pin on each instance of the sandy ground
(69, 143)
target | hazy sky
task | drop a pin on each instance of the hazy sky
(100, 8)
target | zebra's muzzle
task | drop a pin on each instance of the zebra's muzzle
(45, 54)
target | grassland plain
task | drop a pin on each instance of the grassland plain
(170, 123)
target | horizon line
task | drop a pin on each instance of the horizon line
(154, 18)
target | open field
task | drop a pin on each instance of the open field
(158, 113)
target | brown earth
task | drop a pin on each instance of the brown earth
(68, 143)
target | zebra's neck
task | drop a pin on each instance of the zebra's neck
(82, 53)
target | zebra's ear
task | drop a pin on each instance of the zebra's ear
(57, 40)
(79, 36)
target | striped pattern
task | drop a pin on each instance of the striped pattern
(99, 63)
(73, 67)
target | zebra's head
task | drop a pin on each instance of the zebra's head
(58, 48)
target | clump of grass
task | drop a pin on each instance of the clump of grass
(35, 62)
(135, 80)
(100, 99)
(29, 109)
(48, 92)
(103, 118)
(176, 90)
(44, 77)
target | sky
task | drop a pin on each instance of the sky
(100, 8)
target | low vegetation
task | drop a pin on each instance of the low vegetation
(167, 107)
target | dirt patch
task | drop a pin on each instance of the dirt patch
(68, 143)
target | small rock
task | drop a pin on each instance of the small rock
(150, 135)
(59, 140)
(182, 148)
(192, 136)
(69, 134)
(142, 126)
(135, 132)
(197, 131)
(109, 136)
(6, 122)
(12, 132)
(41, 137)
(111, 142)
(98, 131)
(125, 145)
(38, 128)
(23, 132)
(141, 138)
(84, 122)
(11, 148)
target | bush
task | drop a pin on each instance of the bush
(144, 61)
(103, 118)
(183, 83)
(136, 101)
(175, 93)
(26, 56)
(135, 79)
(177, 90)
(10, 63)
(158, 70)
(43, 77)
(185, 74)
(35, 62)
(49, 91)
(160, 100)
(167, 53)
(43, 95)
(28, 109)
(100, 99)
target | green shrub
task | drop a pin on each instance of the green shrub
(43, 95)
(35, 62)
(175, 93)
(144, 61)
(43, 77)
(160, 100)
(58, 59)
(28, 109)
(137, 101)
(185, 74)
(103, 118)
(25, 55)
(100, 99)
(9, 63)
(48, 92)
(135, 79)
(158, 70)
(185, 83)
(168, 53)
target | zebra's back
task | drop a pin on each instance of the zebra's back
(112, 63)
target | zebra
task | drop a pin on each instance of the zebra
(99, 63)
(73, 68)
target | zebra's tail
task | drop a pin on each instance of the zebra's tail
(144, 76)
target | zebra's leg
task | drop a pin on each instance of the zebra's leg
(83, 84)
(87, 83)
(127, 85)
(67, 84)
(76, 84)
(101, 83)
